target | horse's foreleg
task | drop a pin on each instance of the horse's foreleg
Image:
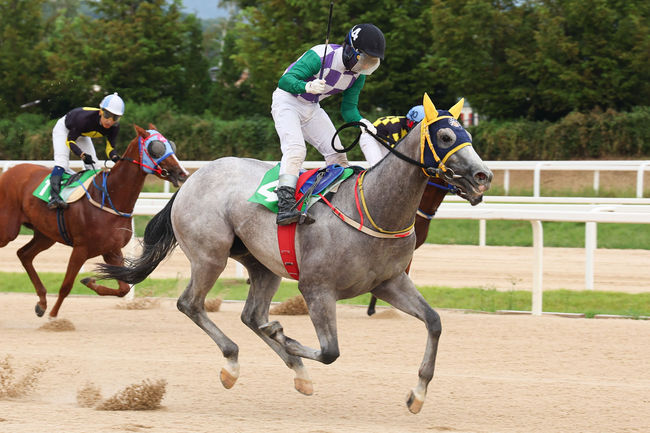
(373, 298)
(322, 311)
(192, 303)
(112, 258)
(26, 255)
(77, 258)
(402, 294)
(264, 284)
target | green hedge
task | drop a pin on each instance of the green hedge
(594, 135)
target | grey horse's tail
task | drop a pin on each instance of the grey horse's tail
(159, 242)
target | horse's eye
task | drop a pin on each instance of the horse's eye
(156, 148)
(446, 137)
(173, 145)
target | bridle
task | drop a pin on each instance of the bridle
(147, 162)
(437, 169)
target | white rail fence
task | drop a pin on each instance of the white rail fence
(536, 209)
(535, 213)
(637, 166)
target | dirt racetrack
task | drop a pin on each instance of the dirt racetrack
(495, 373)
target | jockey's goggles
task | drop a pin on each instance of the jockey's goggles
(109, 115)
(366, 64)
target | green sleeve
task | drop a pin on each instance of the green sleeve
(350, 102)
(293, 81)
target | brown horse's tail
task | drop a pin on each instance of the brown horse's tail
(159, 241)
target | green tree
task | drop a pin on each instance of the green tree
(147, 51)
(21, 58)
(543, 59)
(590, 53)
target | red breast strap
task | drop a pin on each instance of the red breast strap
(287, 235)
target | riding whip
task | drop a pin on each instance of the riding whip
(327, 40)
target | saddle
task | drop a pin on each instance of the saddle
(311, 185)
(73, 186)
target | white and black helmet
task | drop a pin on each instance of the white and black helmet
(113, 104)
(363, 39)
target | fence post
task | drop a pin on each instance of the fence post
(129, 296)
(590, 247)
(536, 179)
(538, 267)
(481, 233)
(639, 179)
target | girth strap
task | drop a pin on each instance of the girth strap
(60, 221)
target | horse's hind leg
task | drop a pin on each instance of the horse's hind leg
(264, 284)
(402, 294)
(113, 258)
(192, 303)
(26, 254)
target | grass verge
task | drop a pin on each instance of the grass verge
(589, 303)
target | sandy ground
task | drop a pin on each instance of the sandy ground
(503, 268)
(494, 373)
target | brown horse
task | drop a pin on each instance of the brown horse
(91, 230)
(434, 194)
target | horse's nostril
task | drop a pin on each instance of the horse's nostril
(481, 177)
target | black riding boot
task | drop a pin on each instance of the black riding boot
(55, 188)
(287, 214)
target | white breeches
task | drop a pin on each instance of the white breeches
(297, 122)
(372, 150)
(61, 149)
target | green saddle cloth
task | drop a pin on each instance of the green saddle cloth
(265, 193)
(72, 186)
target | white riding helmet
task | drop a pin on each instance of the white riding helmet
(113, 103)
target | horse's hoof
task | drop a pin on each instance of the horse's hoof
(227, 379)
(303, 386)
(371, 311)
(86, 281)
(413, 403)
(39, 311)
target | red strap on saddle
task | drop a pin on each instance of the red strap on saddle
(287, 234)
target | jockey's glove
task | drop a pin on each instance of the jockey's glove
(369, 127)
(114, 156)
(315, 87)
(87, 159)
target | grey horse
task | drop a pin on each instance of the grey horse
(211, 219)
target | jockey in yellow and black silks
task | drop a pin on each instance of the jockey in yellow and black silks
(393, 127)
(73, 132)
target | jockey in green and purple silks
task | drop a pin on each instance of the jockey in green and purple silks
(73, 132)
(298, 115)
